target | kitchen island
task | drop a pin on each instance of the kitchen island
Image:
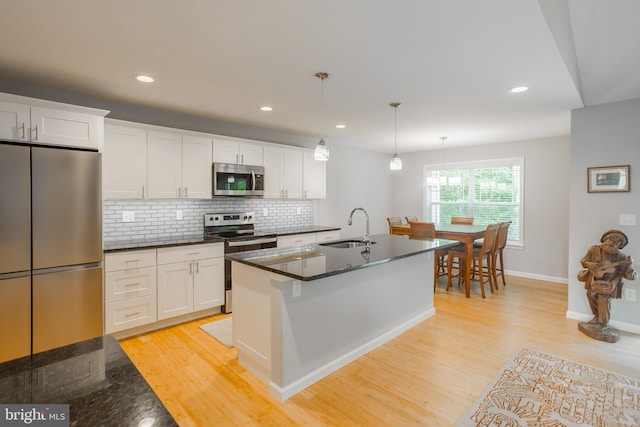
(300, 313)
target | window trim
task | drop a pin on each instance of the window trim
(474, 164)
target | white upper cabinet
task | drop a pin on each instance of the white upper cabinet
(15, 121)
(124, 162)
(283, 173)
(236, 151)
(46, 122)
(196, 167)
(153, 164)
(314, 177)
(164, 165)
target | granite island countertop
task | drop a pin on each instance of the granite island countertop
(328, 261)
(95, 378)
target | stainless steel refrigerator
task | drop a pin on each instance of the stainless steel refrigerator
(50, 248)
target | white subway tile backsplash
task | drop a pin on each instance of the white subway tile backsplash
(157, 218)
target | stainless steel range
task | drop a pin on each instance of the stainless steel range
(237, 230)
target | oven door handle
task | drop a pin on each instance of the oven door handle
(252, 242)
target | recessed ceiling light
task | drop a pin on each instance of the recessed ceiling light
(144, 79)
(518, 89)
(266, 108)
(341, 126)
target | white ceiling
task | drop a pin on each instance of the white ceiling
(450, 62)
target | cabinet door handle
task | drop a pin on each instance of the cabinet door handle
(190, 269)
(242, 159)
(197, 268)
(286, 194)
(305, 194)
(143, 191)
(132, 314)
(237, 158)
(132, 284)
(186, 192)
(23, 133)
(36, 129)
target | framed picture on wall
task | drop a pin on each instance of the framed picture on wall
(608, 179)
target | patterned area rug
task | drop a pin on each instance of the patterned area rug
(540, 389)
(220, 330)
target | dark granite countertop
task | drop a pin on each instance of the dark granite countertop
(284, 231)
(95, 378)
(324, 261)
(156, 242)
(196, 239)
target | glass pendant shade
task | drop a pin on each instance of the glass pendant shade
(321, 152)
(395, 164)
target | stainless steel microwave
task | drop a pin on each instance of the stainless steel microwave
(238, 180)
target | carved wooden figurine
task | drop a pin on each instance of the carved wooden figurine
(606, 266)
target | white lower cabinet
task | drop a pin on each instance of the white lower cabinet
(143, 287)
(190, 278)
(307, 238)
(130, 289)
(296, 240)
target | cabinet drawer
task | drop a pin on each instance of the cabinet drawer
(130, 313)
(296, 240)
(328, 236)
(189, 253)
(129, 260)
(132, 283)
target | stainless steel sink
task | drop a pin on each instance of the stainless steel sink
(346, 244)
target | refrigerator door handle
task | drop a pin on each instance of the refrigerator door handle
(66, 268)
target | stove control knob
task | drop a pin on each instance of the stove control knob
(216, 218)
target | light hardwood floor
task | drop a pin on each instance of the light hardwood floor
(428, 376)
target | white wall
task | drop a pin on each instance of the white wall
(356, 178)
(546, 199)
(604, 135)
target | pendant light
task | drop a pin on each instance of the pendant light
(395, 164)
(322, 151)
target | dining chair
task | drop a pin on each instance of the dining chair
(461, 220)
(411, 218)
(480, 257)
(394, 220)
(422, 230)
(498, 253)
(441, 254)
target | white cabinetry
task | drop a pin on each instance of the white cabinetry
(283, 173)
(307, 238)
(190, 278)
(236, 151)
(314, 177)
(46, 122)
(124, 162)
(151, 164)
(130, 289)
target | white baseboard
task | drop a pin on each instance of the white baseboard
(553, 279)
(621, 326)
(283, 393)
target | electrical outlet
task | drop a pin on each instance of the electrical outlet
(297, 288)
(178, 215)
(265, 212)
(627, 219)
(630, 294)
(128, 216)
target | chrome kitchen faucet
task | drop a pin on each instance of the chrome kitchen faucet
(366, 234)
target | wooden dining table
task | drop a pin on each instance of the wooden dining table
(465, 233)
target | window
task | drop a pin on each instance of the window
(490, 191)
